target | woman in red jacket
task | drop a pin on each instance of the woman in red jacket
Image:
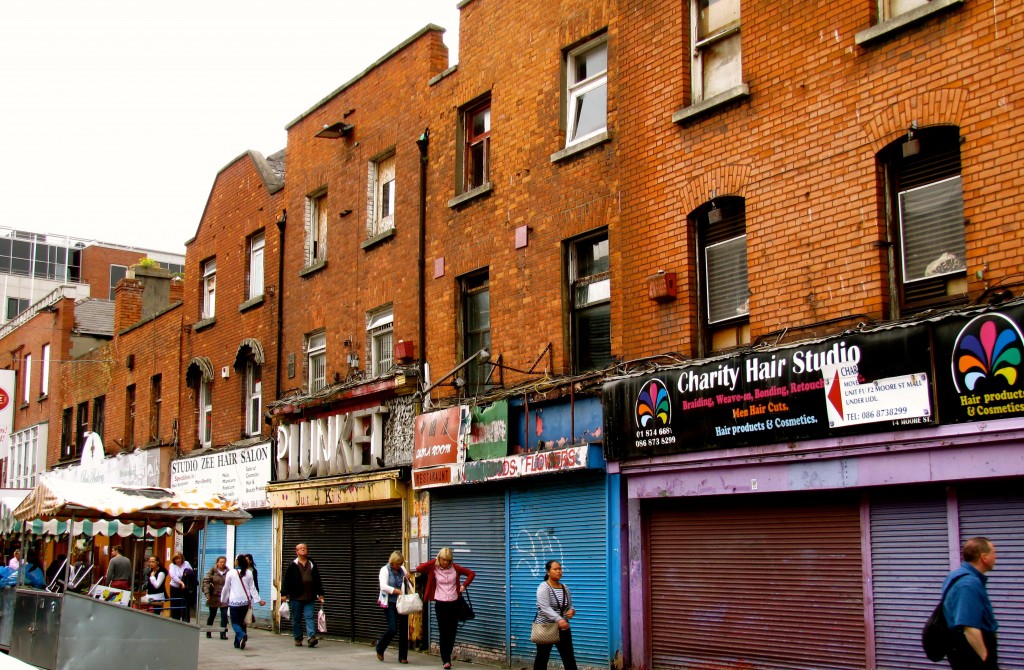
(444, 584)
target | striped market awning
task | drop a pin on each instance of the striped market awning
(90, 528)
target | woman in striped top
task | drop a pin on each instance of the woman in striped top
(554, 605)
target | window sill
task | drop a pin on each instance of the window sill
(312, 269)
(693, 111)
(377, 239)
(580, 147)
(473, 194)
(42, 397)
(205, 323)
(250, 303)
(23, 405)
(886, 28)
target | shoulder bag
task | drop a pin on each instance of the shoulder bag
(466, 612)
(248, 613)
(547, 633)
(408, 603)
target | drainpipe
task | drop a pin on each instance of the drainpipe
(423, 142)
(280, 324)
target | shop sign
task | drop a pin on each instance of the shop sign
(440, 437)
(524, 465)
(488, 432)
(979, 366)
(851, 403)
(444, 475)
(240, 474)
(762, 396)
(137, 468)
(337, 494)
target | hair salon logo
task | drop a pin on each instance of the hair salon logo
(653, 408)
(987, 354)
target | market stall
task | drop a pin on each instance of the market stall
(68, 630)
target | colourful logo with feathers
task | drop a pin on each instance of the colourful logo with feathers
(653, 407)
(987, 351)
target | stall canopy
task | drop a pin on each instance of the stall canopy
(60, 501)
(9, 500)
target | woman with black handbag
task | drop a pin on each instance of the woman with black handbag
(551, 625)
(445, 587)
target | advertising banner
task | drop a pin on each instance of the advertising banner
(488, 433)
(978, 362)
(7, 391)
(875, 381)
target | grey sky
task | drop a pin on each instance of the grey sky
(115, 116)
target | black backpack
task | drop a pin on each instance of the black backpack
(935, 635)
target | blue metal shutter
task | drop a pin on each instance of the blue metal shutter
(255, 537)
(566, 522)
(909, 560)
(998, 514)
(216, 545)
(474, 527)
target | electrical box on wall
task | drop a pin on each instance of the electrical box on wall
(661, 287)
(225, 372)
(404, 351)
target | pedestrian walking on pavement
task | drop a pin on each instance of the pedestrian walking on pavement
(213, 584)
(554, 605)
(392, 577)
(301, 589)
(238, 595)
(444, 587)
(968, 610)
(179, 573)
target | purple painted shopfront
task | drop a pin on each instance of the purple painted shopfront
(798, 506)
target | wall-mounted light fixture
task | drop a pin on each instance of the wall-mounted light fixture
(714, 214)
(483, 355)
(335, 131)
(912, 146)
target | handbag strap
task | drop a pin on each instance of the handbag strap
(562, 608)
(241, 580)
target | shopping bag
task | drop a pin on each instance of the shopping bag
(321, 620)
(409, 603)
(284, 610)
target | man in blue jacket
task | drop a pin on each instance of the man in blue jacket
(968, 610)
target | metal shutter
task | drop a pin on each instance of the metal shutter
(329, 538)
(376, 533)
(758, 582)
(474, 527)
(255, 537)
(216, 545)
(567, 522)
(909, 560)
(998, 514)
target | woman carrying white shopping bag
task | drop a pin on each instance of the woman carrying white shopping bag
(238, 595)
(393, 578)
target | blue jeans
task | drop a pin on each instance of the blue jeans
(302, 610)
(397, 623)
(237, 615)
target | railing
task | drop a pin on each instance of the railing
(55, 296)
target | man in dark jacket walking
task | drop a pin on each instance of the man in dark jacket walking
(972, 623)
(301, 589)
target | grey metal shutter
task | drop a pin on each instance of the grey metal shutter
(329, 538)
(756, 582)
(474, 527)
(255, 537)
(997, 512)
(909, 560)
(377, 533)
(566, 522)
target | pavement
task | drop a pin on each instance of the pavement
(265, 650)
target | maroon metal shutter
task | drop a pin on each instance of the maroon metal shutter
(757, 582)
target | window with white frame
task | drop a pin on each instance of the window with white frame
(382, 196)
(715, 36)
(205, 411)
(476, 136)
(725, 297)
(44, 380)
(21, 469)
(927, 218)
(26, 378)
(316, 357)
(15, 306)
(209, 288)
(316, 227)
(586, 92)
(889, 9)
(253, 397)
(256, 244)
(590, 290)
(379, 331)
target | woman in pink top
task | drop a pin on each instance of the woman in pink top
(444, 584)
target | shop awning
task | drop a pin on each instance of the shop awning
(90, 528)
(56, 500)
(9, 500)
